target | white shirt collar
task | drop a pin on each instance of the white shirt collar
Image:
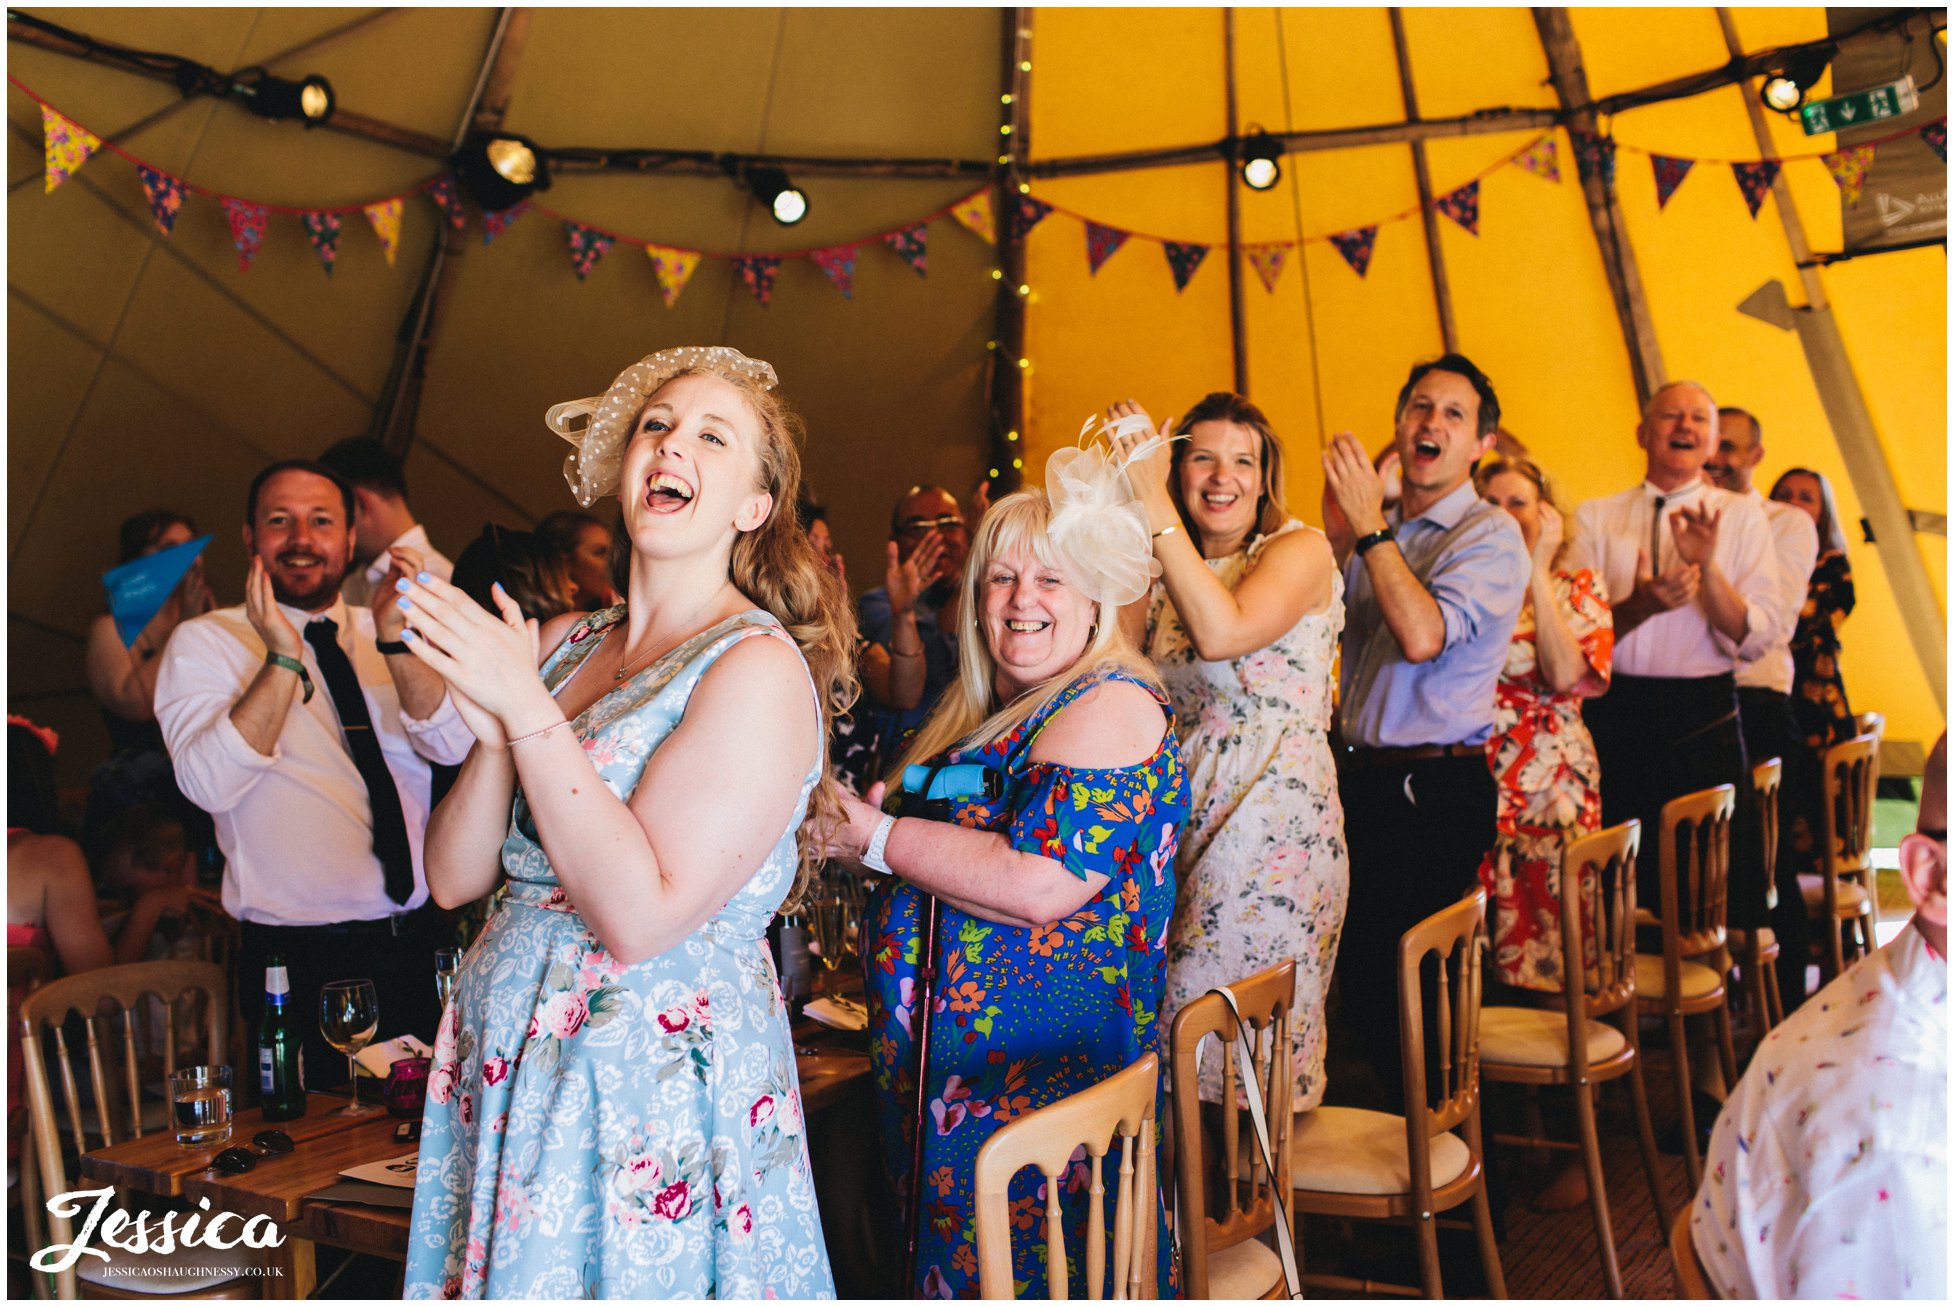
(300, 619)
(1671, 496)
(414, 537)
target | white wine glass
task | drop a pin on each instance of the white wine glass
(349, 1017)
(447, 974)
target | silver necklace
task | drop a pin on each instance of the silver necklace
(624, 669)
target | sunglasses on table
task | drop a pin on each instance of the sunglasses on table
(266, 1143)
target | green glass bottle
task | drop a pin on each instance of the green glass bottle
(281, 1071)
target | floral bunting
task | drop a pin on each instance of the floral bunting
(1102, 242)
(1754, 180)
(1594, 156)
(1669, 174)
(913, 244)
(976, 216)
(322, 229)
(587, 247)
(443, 191)
(839, 264)
(1461, 206)
(66, 144)
(757, 271)
(247, 223)
(497, 221)
(1182, 260)
(1848, 169)
(1356, 246)
(1031, 212)
(1542, 159)
(165, 195)
(673, 268)
(1935, 135)
(1268, 261)
(385, 217)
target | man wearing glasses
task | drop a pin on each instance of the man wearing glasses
(914, 617)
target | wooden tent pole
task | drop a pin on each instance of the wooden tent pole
(1604, 210)
(1237, 307)
(1852, 423)
(1448, 326)
(1007, 377)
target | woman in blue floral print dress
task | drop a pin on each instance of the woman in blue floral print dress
(614, 1110)
(1055, 894)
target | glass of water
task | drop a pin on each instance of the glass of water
(447, 974)
(200, 1106)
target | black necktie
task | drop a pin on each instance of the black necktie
(1655, 537)
(389, 826)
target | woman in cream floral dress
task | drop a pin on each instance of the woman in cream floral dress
(1243, 626)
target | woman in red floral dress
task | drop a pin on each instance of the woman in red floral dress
(1540, 751)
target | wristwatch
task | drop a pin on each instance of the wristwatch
(872, 855)
(1373, 540)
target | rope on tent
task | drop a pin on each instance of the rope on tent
(1296, 209)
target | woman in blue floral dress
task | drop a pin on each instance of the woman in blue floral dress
(1055, 893)
(614, 1110)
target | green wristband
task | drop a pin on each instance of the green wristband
(292, 665)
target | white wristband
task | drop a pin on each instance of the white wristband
(872, 855)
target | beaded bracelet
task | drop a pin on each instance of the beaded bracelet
(538, 734)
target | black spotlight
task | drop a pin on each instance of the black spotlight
(501, 170)
(786, 201)
(310, 101)
(1261, 160)
(1785, 90)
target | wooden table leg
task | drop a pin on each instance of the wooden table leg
(297, 1260)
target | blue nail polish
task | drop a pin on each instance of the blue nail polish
(423, 578)
(401, 585)
(405, 606)
(409, 633)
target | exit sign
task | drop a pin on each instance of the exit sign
(1860, 108)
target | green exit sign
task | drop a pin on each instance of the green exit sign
(1861, 107)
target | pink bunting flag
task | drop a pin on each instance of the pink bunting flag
(1542, 159)
(977, 217)
(839, 264)
(1669, 174)
(1102, 242)
(1594, 156)
(1848, 169)
(385, 217)
(443, 191)
(587, 247)
(913, 244)
(1268, 262)
(1182, 260)
(1754, 180)
(67, 146)
(1935, 135)
(497, 221)
(673, 268)
(1461, 206)
(247, 229)
(322, 229)
(165, 195)
(1356, 246)
(757, 271)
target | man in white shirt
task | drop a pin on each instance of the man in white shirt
(1764, 682)
(1827, 1173)
(304, 727)
(1691, 574)
(382, 519)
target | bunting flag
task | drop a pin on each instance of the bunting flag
(1461, 206)
(1182, 260)
(385, 217)
(1754, 180)
(166, 195)
(1542, 159)
(1848, 169)
(976, 216)
(323, 229)
(1356, 246)
(587, 246)
(443, 191)
(913, 244)
(497, 221)
(1669, 174)
(1935, 135)
(839, 264)
(1594, 156)
(67, 145)
(673, 268)
(247, 229)
(1031, 212)
(1268, 261)
(757, 271)
(1102, 242)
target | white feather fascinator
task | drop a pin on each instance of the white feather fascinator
(1097, 525)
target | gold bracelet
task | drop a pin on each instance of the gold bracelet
(539, 734)
(1169, 529)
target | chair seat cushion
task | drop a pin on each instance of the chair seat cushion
(1697, 979)
(1852, 895)
(1350, 1150)
(1248, 1270)
(1527, 1036)
(184, 1270)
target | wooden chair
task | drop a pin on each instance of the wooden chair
(1870, 723)
(27, 969)
(1840, 897)
(1225, 1258)
(104, 999)
(1574, 1047)
(1354, 1162)
(1687, 980)
(1692, 1281)
(1759, 948)
(1121, 1107)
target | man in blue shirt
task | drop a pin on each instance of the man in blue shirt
(1432, 589)
(926, 515)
